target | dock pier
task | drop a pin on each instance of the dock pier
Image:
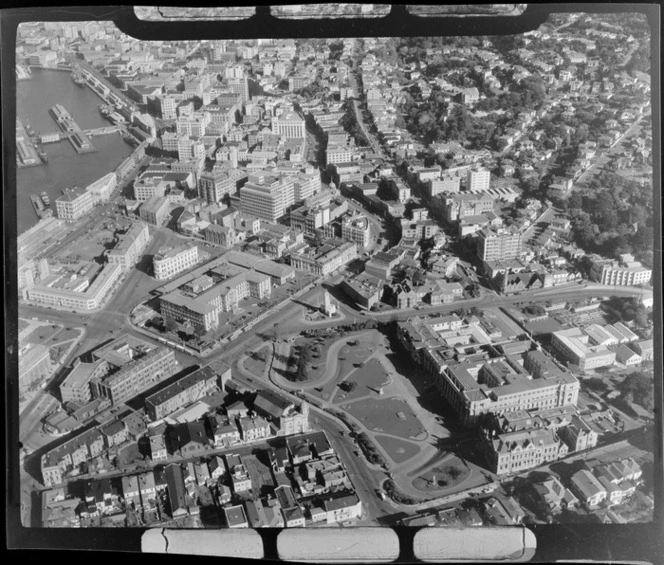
(77, 137)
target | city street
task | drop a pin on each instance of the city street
(603, 158)
(493, 301)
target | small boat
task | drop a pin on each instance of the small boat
(37, 204)
(45, 199)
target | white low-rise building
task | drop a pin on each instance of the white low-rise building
(169, 263)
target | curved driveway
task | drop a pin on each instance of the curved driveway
(399, 387)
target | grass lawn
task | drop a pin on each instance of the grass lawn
(346, 358)
(129, 453)
(255, 365)
(66, 335)
(59, 350)
(638, 508)
(390, 415)
(367, 379)
(398, 449)
(43, 334)
(448, 473)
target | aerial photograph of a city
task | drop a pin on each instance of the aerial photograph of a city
(330, 282)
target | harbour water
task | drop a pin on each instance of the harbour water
(64, 167)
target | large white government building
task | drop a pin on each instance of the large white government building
(289, 124)
(481, 368)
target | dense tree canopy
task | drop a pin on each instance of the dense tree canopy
(639, 387)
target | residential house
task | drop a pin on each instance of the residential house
(238, 472)
(147, 487)
(131, 491)
(342, 508)
(549, 495)
(587, 488)
(114, 433)
(254, 429)
(578, 435)
(216, 468)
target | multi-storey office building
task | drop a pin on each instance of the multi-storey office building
(332, 255)
(174, 261)
(267, 197)
(102, 188)
(305, 185)
(580, 347)
(155, 210)
(73, 204)
(193, 126)
(338, 154)
(356, 229)
(214, 185)
(458, 206)
(129, 247)
(202, 310)
(626, 272)
(308, 219)
(144, 370)
(181, 393)
(88, 298)
(76, 386)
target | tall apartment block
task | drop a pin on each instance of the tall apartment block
(447, 183)
(478, 180)
(498, 245)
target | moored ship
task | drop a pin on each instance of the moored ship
(37, 204)
(77, 78)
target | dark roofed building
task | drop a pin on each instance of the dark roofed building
(182, 392)
(319, 442)
(188, 438)
(343, 507)
(298, 448)
(270, 405)
(115, 433)
(176, 491)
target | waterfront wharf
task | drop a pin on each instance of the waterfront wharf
(72, 131)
